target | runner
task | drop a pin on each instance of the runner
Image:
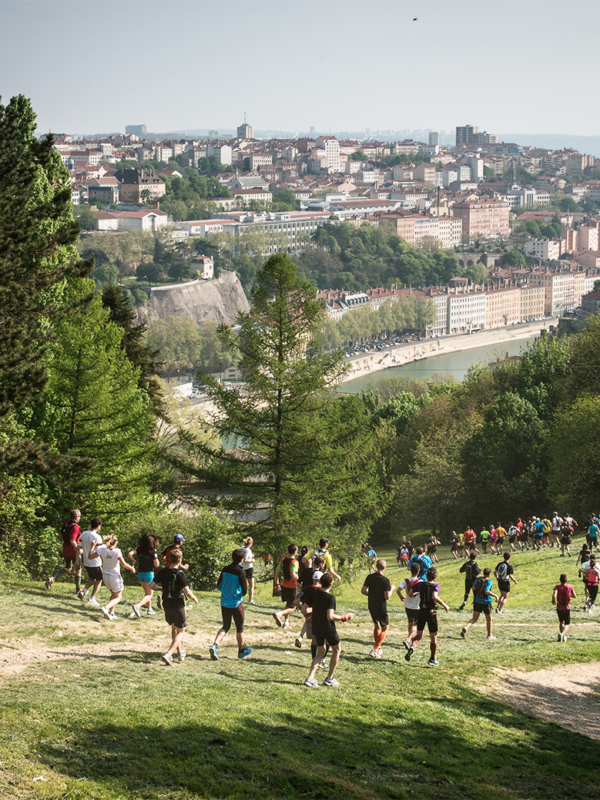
(538, 533)
(70, 533)
(566, 533)
(93, 566)
(454, 544)
(592, 575)
(504, 573)
(493, 538)
(378, 589)
(323, 550)
(404, 556)
(524, 534)
(174, 584)
(471, 569)
(233, 586)
(513, 533)
(482, 604)
(411, 602)
(248, 567)
(306, 580)
(561, 598)
(323, 619)
(410, 548)
(432, 546)
(584, 554)
(470, 537)
(371, 558)
(547, 531)
(165, 556)
(112, 561)
(305, 558)
(592, 534)
(266, 560)
(429, 597)
(423, 561)
(484, 536)
(500, 537)
(148, 563)
(556, 527)
(286, 580)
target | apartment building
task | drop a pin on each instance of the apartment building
(483, 219)
(135, 184)
(331, 146)
(258, 160)
(245, 131)
(559, 291)
(588, 237)
(222, 152)
(545, 249)
(243, 197)
(502, 306)
(532, 302)
(425, 172)
(466, 311)
(106, 190)
(589, 259)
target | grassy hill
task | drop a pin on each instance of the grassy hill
(88, 707)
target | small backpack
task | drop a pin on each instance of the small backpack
(480, 588)
(65, 532)
(502, 571)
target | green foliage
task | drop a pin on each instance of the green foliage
(369, 256)
(192, 197)
(358, 156)
(514, 258)
(185, 344)
(401, 409)
(85, 217)
(211, 166)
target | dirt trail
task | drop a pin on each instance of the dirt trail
(566, 694)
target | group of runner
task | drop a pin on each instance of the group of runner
(303, 579)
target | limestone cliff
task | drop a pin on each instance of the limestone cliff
(219, 299)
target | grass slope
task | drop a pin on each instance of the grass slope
(96, 714)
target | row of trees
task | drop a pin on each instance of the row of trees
(186, 345)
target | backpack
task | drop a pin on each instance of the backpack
(502, 571)
(480, 588)
(65, 532)
(471, 570)
(170, 592)
(286, 567)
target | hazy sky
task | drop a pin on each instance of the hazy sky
(504, 65)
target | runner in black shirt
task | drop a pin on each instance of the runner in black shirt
(379, 590)
(471, 569)
(307, 580)
(174, 584)
(430, 598)
(324, 619)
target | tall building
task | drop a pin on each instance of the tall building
(468, 134)
(137, 130)
(245, 131)
(435, 138)
(483, 219)
(332, 151)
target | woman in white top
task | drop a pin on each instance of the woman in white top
(248, 567)
(112, 560)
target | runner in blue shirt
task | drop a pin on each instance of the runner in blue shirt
(233, 586)
(482, 604)
(423, 561)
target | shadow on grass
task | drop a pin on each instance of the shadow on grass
(323, 748)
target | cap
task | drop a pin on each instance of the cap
(178, 538)
(317, 575)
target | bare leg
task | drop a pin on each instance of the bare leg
(316, 660)
(335, 657)
(176, 639)
(147, 598)
(115, 599)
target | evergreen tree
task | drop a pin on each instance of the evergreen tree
(141, 355)
(303, 456)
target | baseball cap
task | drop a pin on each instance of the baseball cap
(317, 575)
(178, 538)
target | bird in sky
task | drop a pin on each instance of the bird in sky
(415, 19)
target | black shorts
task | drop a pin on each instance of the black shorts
(504, 586)
(94, 573)
(428, 618)
(69, 561)
(564, 616)
(235, 614)
(593, 591)
(566, 540)
(512, 539)
(432, 548)
(482, 608)
(332, 638)
(592, 541)
(288, 596)
(412, 615)
(249, 573)
(380, 616)
(175, 615)
(453, 547)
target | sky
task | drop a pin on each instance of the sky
(92, 66)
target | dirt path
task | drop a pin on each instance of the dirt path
(566, 694)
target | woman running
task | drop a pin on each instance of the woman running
(147, 564)
(565, 538)
(493, 538)
(112, 560)
(248, 567)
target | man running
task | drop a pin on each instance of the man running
(484, 536)
(561, 598)
(233, 586)
(592, 534)
(547, 531)
(470, 538)
(482, 604)
(286, 579)
(411, 601)
(500, 537)
(93, 566)
(513, 533)
(504, 573)
(471, 570)
(323, 622)
(429, 598)
(323, 550)
(591, 572)
(538, 533)
(454, 544)
(423, 561)
(566, 535)
(556, 526)
(70, 534)
(174, 584)
(165, 556)
(309, 577)
(378, 589)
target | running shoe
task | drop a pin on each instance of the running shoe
(81, 594)
(407, 643)
(463, 633)
(136, 610)
(490, 638)
(113, 616)
(159, 602)
(151, 612)
(564, 638)
(433, 662)
(277, 619)
(409, 654)
(373, 653)
(322, 664)
(560, 637)
(330, 681)
(49, 582)
(312, 683)
(214, 652)
(105, 613)
(245, 652)
(168, 659)
(182, 654)
(93, 602)
(298, 642)
(379, 652)
(251, 603)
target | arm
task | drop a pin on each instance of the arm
(124, 564)
(188, 592)
(93, 553)
(131, 556)
(365, 591)
(489, 593)
(156, 561)
(440, 602)
(554, 595)
(334, 573)
(333, 617)
(389, 594)
(276, 577)
(464, 567)
(399, 593)
(513, 579)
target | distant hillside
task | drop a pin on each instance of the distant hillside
(219, 300)
(555, 141)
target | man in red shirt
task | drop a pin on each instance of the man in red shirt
(561, 598)
(70, 534)
(469, 538)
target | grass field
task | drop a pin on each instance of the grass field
(95, 713)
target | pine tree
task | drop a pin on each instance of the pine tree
(303, 455)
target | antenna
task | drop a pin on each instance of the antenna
(244, 117)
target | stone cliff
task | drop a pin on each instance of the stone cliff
(219, 299)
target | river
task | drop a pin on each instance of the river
(456, 364)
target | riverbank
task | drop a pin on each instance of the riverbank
(398, 355)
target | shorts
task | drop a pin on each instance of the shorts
(380, 616)
(332, 638)
(593, 591)
(145, 577)
(453, 547)
(482, 608)
(309, 630)
(592, 541)
(236, 614)
(564, 616)
(288, 595)
(412, 614)
(432, 548)
(404, 559)
(94, 573)
(429, 618)
(566, 540)
(69, 561)
(504, 586)
(249, 573)
(512, 539)
(175, 615)
(114, 583)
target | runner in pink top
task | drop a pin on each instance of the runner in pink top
(561, 598)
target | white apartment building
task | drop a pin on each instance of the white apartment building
(527, 196)
(545, 249)
(260, 160)
(466, 310)
(221, 152)
(331, 146)
(424, 172)
(130, 220)
(449, 231)
(588, 237)
(559, 291)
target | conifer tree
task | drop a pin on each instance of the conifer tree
(303, 455)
